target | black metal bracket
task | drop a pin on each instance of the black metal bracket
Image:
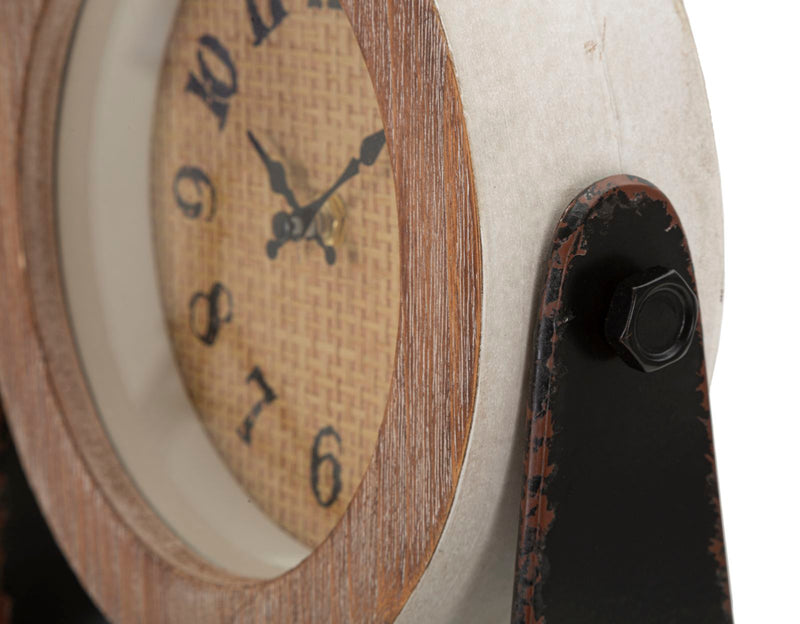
(620, 516)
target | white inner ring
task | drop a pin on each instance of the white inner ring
(108, 260)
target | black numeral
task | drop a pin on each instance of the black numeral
(260, 29)
(210, 88)
(205, 199)
(317, 461)
(332, 4)
(207, 313)
(245, 430)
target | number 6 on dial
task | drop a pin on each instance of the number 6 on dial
(318, 461)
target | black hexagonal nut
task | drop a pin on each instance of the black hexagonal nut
(652, 319)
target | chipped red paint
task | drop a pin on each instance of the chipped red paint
(717, 544)
(537, 513)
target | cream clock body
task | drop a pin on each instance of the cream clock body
(232, 415)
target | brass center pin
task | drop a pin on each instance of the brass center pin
(330, 221)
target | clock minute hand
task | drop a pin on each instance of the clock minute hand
(277, 174)
(370, 150)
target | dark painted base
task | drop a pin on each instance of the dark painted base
(38, 585)
(620, 518)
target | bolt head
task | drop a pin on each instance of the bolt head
(652, 319)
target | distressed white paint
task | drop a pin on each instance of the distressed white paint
(557, 94)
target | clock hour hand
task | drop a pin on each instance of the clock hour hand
(277, 174)
(285, 226)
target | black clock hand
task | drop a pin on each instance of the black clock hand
(277, 174)
(295, 226)
(370, 150)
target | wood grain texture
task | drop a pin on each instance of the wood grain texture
(133, 566)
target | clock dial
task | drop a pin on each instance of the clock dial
(277, 242)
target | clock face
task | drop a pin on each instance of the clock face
(277, 247)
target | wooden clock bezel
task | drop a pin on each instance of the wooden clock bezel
(134, 567)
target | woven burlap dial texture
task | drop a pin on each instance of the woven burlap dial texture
(323, 336)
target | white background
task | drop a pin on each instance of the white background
(750, 54)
